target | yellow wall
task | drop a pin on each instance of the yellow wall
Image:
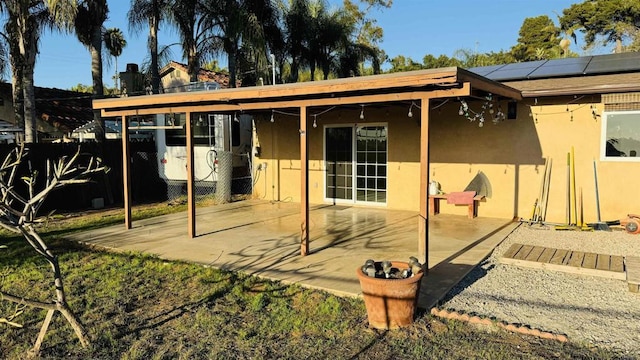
(280, 149)
(511, 154)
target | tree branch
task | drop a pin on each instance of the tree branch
(33, 303)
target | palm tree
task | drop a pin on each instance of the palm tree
(89, 29)
(114, 42)
(329, 35)
(296, 20)
(237, 24)
(190, 19)
(25, 20)
(153, 12)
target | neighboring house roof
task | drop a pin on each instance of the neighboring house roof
(64, 110)
(60, 111)
(568, 76)
(203, 74)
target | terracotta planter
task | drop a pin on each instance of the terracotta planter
(390, 303)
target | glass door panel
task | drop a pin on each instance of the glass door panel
(371, 155)
(339, 162)
(366, 150)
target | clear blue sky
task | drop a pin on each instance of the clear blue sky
(412, 28)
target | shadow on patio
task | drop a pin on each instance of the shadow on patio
(262, 238)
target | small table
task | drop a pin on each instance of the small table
(434, 204)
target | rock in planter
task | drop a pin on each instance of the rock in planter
(390, 303)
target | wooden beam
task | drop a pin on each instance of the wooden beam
(327, 88)
(484, 84)
(191, 198)
(423, 222)
(304, 183)
(463, 90)
(126, 173)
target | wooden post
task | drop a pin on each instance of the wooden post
(423, 222)
(304, 183)
(126, 173)
(191, 198)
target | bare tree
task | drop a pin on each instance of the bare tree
(18, 214)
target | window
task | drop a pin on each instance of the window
(203, 133)
(620, 136)
(356, 165)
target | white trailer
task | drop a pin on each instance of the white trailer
(213, 134)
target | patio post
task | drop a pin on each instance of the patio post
(304, 183)
(423, 222)
(191, 203)
(126, 173)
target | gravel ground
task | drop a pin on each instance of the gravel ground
(590, 310)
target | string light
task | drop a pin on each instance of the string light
(487, 108)
(571, 111)
(410, 114)
(315, 125)
(362, 113)
(235, 117)
(594, 111)
(272, 119)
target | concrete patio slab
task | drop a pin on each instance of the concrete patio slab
(262, 238)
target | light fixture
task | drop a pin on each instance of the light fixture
(410, 114)
(272, 119)
(362, 113)
(235, 117)
(200, 121)
(315, 124)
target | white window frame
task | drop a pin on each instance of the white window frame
(354, 200)
(603, 137)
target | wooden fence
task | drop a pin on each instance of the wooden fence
(145, 181)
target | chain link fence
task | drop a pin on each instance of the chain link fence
(229, 179)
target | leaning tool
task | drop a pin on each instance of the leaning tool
(598, 225)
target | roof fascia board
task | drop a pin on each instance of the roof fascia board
(481, 83)
(600, 89)
(314, 88)
(464, 90)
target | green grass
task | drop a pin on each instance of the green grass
(141, 307)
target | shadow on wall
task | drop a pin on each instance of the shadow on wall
(454, 139)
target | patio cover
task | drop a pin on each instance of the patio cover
(422, 86)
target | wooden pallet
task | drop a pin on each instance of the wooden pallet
(632, 264)
(576, 262)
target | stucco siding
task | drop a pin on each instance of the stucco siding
(510, 153)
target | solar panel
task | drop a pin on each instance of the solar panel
(614, 63)
(516, 71)
(561, 67)
(485, 70)
(579, 66)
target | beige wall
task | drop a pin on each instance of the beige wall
(511, 154)
(280, 149)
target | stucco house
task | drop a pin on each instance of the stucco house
(175, 78)
(379, 140)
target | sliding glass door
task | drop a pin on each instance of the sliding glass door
(363, 148)
(339, 160)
